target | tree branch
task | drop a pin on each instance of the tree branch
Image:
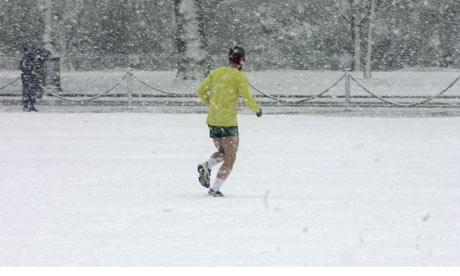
(339, 12)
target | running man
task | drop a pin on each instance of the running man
(220, 91)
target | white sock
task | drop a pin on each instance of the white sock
(211, 162)
(217, 184)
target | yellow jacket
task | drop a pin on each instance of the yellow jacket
(220, 91)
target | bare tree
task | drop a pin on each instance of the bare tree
(357, 13)
(70, 13)
(355, 21)
(46, 8)
(191, 42)
(368, 68)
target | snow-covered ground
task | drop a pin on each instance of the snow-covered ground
(121, 189)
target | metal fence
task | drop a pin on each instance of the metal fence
(122, 93)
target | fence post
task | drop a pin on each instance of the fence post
(129, 84)
(347, 90)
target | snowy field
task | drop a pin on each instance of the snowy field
(121, 189)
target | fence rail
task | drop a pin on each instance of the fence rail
(123, 94)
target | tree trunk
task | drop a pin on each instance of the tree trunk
(72, 16)
(355, 36)
(357, 48)
(367, 71)
(205, 63)
(190, 40)
(47, 8)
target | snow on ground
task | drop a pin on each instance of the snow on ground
(121, 189)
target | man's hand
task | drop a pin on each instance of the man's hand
(259, 114)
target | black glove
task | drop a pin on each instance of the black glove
(259, 114)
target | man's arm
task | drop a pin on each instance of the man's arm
(245, 92)
(203, 90)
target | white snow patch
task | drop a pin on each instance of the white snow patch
(121, 189)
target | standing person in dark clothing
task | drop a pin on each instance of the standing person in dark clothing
(27, 67)
(32, 66)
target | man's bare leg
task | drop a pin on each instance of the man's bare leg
(218, 156)
(227, 149)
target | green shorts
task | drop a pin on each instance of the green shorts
(221, 131)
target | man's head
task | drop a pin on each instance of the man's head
(236, 55)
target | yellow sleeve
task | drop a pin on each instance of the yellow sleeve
(203, 90)
(245, 92)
